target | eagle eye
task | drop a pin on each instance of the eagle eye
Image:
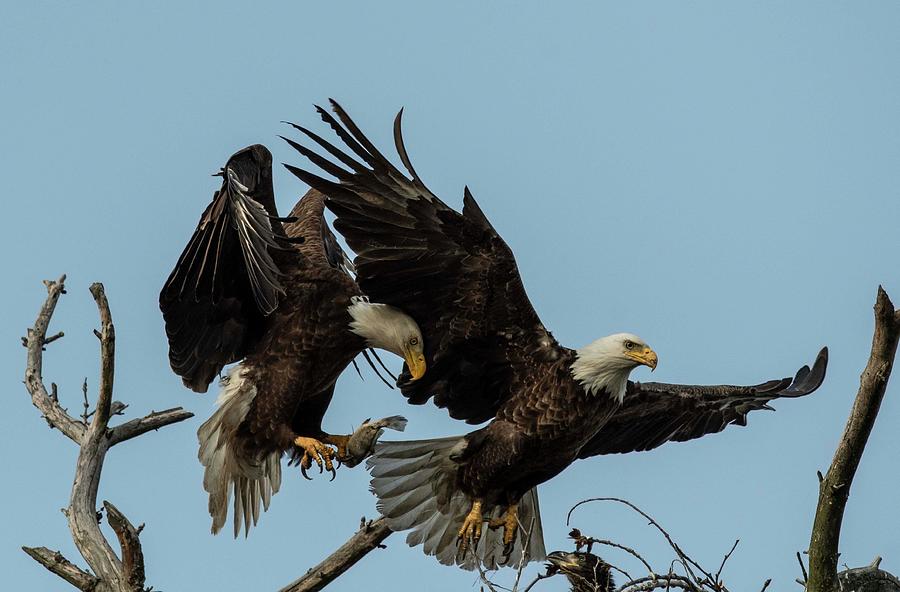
(414, 341)
(629, 345)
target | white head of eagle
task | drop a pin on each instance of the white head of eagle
(606, 363)
(389, 328)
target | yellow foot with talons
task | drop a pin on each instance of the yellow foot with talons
(339, 442)
(510, 524)
(314, 450)
(470, 531)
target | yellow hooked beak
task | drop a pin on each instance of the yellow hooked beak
(416, 364)
(647, 357)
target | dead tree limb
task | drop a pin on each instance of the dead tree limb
(369, 536)
(94, 436)
(834, 487)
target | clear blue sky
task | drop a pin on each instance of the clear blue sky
(722, 180)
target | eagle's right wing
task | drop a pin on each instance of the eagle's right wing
(226, 280)
(654, 413)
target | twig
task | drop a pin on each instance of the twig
(681, 554)
(834, 489)
(725, 559)
(526, 541)
(537, 579)
(766, 585)
(802, 569)
(656, 582)
(581, 540)
(367, 538)
(86, 414)
(484, 579)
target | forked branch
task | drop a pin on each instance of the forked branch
(123, 572)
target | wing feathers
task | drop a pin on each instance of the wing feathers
(226, 279)
(654, 413)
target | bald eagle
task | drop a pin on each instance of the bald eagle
(491, 358)
(277, 294)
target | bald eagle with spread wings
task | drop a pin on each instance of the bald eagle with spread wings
(490, 357)
(277, 295)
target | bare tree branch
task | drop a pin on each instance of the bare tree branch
(55, 562)
(82, 513)
(148, 423)
(35, 341)
(370, 536)
(834, 488)
(132, 554)
(107, 337)
(94, 437)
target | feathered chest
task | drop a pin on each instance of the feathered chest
(552, 407)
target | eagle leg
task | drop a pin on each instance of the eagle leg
(340, 442)
(470, 529)
(315, 450)
(510, 523)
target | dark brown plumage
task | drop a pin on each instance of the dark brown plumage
(585, 571)
(491, 358)
(274, 293)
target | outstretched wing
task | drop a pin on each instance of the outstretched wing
(451, 272)
(226, 280)
(654, 413)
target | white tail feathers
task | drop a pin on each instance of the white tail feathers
(252, 480)
(416, 487)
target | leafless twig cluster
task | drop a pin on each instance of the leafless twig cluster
(692, 577)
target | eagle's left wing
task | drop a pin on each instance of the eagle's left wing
(654, 413)
(450, 271)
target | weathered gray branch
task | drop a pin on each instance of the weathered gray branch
(95, 437)
(148, 423)
(55, 562)
(35, 341)
(368, 537)
(834, 487)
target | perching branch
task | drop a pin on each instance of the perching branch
(94, 437)
(369, 536)
(834, 487)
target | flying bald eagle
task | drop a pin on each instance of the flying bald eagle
(277, 294)
(490, 358)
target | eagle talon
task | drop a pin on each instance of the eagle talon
(507, 553)
(470, 531)
(314, 450)
(510, 523)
